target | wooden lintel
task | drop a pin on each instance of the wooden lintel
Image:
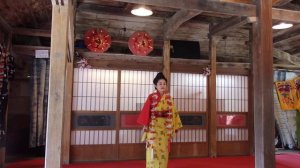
(176, 20)
(237, 9)
(28, 50)
(226, 26)
(32, 32)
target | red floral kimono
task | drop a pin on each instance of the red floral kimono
(160, 120)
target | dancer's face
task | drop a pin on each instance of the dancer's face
(161, 86)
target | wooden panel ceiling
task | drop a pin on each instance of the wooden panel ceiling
(178, 19)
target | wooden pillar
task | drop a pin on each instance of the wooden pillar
(166, 61)
(67, 114)
(263, 86)
(68, 88)
(250, 98)
(212, 111)
(57, 78)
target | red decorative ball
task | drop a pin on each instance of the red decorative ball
(140, 43)
(97, 40)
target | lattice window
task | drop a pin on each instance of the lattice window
(135, 88)
(191, 135)
(95, 90)
(232, 108)
(232, 93)
(232, 134)
(189, 92)
(93, 137)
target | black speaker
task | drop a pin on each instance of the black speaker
(185, 49)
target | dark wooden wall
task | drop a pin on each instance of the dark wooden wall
(18, 119)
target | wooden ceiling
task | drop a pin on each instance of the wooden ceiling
(191, 20)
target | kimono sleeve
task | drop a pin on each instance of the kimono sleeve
(176, 118)
(144, 116)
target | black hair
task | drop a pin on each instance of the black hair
(158, 77)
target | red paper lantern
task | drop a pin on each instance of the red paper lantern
(140, 43)
(97, 40)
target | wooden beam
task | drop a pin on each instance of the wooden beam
(176, 20)
(212, 98)
(237, 9)
(234, 22)
(32, 32)
(286, 34)
(57, 78)
(166, 62)
(286, 39)
(278, 3)
(28, 50)
(295, 52)
(282, 33)
(284, 56)
(262, 86)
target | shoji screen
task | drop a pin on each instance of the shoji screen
(232, 112)
(135, 88)
(94, 107)
(190, 95)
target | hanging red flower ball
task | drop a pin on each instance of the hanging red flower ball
(97, 40)
(140, 43)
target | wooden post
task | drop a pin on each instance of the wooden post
(68, 88)
(212, 111)
(67, 114)
(166, 63)
(250, 120)
(57, 78)
(264, 121)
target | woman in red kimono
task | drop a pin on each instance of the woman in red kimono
(160, 120)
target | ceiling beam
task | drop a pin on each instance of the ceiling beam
(278, 3)
(286, 56)
(286, 38)
(176, 20)
(32, 32)
(295, 52)
(228, 25)
(27, 49)
(237, 9)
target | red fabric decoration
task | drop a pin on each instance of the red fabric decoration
(140, 43)
(97, 40)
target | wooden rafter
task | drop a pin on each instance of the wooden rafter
(286, 57)
(176, 20)
(286, 38)
(234, 22)
(237, 9)
(295, 52)
(280, 2)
